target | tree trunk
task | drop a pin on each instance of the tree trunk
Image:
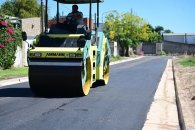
(127, 51)
(122, 52)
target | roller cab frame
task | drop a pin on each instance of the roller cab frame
(66, 63)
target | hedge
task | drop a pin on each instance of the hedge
(10, 39)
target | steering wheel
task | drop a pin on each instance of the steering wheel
(70, 18)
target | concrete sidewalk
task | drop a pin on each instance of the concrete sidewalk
(25, 79)
(13, 81)
(163, 113)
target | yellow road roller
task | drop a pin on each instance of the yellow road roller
(67, 62)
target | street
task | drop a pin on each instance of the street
(121, 105)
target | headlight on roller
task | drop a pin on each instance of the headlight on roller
(79, 55)
(72, 55)
(36, 54)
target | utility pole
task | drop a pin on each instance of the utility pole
(42, 17)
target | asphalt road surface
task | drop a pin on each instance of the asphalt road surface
(121, 105)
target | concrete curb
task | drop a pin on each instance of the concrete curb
(163, 110)
(25, 79)
(126, 60)
(179, 107)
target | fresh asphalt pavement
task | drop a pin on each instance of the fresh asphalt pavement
(123, 104)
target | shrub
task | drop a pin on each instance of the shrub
(10, 38)
(163, 53)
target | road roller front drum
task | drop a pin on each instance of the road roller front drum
(74, 78)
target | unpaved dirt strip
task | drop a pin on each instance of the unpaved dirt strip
(163, 111)
(185, 83)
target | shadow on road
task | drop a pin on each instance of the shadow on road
(16, 92)
(26, 92)
(97, 84)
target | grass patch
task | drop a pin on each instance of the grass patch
(187, 62)
(13, 72)
(163, 53)
(116, 58)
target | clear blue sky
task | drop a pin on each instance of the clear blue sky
(177, 15)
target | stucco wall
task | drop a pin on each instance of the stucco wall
(31, 26)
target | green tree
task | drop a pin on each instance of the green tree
(155, 34)
(159, 29)
(151, 27)
(168, 31)
(128, 29)
(144, 33)
(154, 37)
(7, 8)
(21, 8)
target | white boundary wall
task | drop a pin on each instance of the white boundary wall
(21, 55)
